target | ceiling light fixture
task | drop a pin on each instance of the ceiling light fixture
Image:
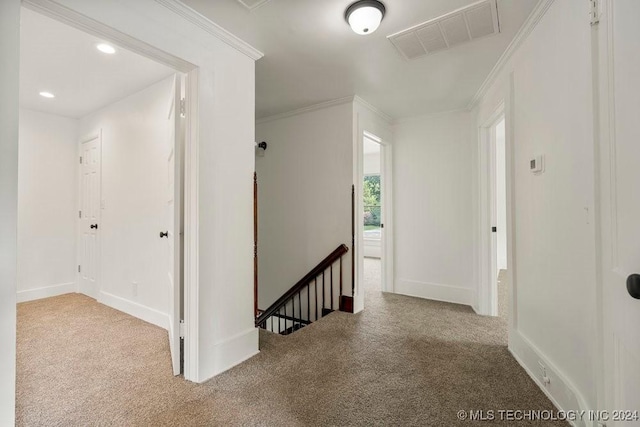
(47, 95)
(365, 16)
(105, 48)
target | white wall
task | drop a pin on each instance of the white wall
(9, 79)
(225, 232)
(47, 205)
(552, 114)
(135, 144)
(501, 196)
(304, 196)
(434, 215)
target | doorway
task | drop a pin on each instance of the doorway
(499, 205)
(495, 216)
(373, 224)
(104, 216)
(372, 214)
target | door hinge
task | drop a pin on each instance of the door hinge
(79, 269)
(80, 214)
(181, 329)
(80, 159)
(594, 11)
(183, 108)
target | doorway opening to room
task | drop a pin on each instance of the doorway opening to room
(373, 214)
(499, 284)
(495, 213)
(102, 140)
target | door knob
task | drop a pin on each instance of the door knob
(164, 234)
(633, 285)
(94, 226)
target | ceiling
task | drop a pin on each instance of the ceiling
(64, 61)
(312, 56)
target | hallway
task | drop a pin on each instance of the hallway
(403, 361)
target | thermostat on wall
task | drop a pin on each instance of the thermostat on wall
(536, 165)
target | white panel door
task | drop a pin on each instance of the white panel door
(89, 216)
(621, 207)
(173, 233)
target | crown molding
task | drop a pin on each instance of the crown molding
(532, 21)
(254, 7)
(327, 104)
(375, 110)
(210, 27)
(308, 109)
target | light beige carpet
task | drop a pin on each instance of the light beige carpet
(404, 361)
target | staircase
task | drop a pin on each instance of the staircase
(314, 296)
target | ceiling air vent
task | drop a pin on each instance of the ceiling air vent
(460, 26)
(252, 4)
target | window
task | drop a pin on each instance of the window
(372, 207)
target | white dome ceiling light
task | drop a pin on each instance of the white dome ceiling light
(45, 94)
(365, 16)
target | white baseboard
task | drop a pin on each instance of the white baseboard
(230, 352)
(135, 309)
(562, 393)
(434, 291)
(45, 292)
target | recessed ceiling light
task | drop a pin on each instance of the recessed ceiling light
(365, 16)
(105, 48)
(47, 95)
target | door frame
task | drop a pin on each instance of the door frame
(386, 187)
(488, 217)
(606, 199)
(191, 170)
(87, 138)
(176, 224)
(382, 175)
(487, 288)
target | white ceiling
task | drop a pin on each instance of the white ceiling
(311, 54)
(63, 60)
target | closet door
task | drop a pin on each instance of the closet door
(89, 217)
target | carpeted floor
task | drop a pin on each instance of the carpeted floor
(403, 361)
